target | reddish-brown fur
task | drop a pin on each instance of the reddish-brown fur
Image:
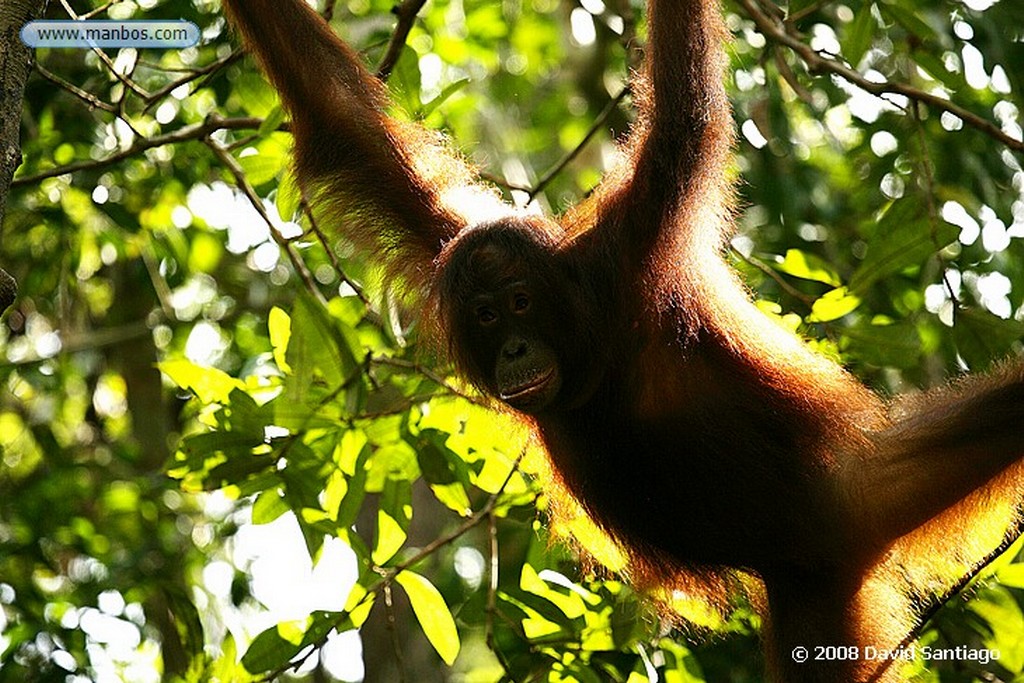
(703, 437)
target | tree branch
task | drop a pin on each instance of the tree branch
(818, 64)
(195, 131)
(406, 13)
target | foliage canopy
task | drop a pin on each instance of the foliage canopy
(155, 223)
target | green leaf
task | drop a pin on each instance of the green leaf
(352, 502)
(404, 82)
(454, 497)
(357, 606)
(185, 616)
(438, 463)
(243, 414)
(909, 20)
(208, 457)
(487, 22)
(263, 166)
(391, 462)
(902, 237)
(255, 94)
(859, 37)
(449, 90)
(982, 337)
(273, 648)
(259, 483)
(495, 473)
(433, 464)
(226, 666)
(1012, 576)
(898, 345)
(205, 253)
(319, 354)
(797, 6)
(800, 264)
(237, 469)
(275, 117)
(937, 69)
(1003, 616)
(543, 608)
(432, 613)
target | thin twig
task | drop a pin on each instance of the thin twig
(194, 74)
(100, 10)
(470, 522)
(242, 142)
(787, 75)
(933, 213)
(243, 184)
(431, 375)
(389, 619)
(335, 263)
(771, 273)
(103, 57)
(389, 574)
(90, 341)
(83, 95)
(575, 151)
(1008, 540)
(328, 12)
(503, 183)
(805, 12)
(628, 40)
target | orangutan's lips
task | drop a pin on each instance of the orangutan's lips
(529, 389)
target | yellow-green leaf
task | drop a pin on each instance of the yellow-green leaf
(269, 505)
(261, 167)
(255, 94)
(833, 305)
(358, 605)
(289, 197)
(390, 537)
(210, 385)
(432, 613)
(275, 117)
(205, 252)
(495, 472)
(453, 496)
(1012, 576)
(597, 543)
(279, 325)
(809, 267)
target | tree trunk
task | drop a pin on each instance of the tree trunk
(15, 63)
